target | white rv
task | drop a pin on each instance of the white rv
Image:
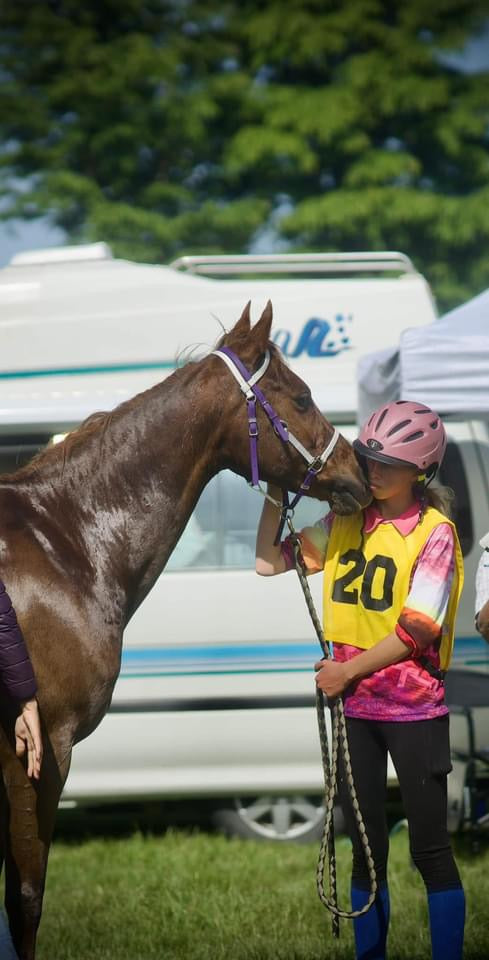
(215, 695)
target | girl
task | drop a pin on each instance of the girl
(18, 682)
(392, 579)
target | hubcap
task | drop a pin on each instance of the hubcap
(281, 818)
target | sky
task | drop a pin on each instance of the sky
(17, 236)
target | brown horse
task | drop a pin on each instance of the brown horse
(85, 530)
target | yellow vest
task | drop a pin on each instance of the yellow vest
(366, 582)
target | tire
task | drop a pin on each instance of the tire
(293, 818)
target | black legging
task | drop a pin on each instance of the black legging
(420, 752)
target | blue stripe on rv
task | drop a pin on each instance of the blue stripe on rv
(87, 370)
(251, 658)
(240, 658)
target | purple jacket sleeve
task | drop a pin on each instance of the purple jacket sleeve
(16, 671)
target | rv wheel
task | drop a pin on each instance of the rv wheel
(294, 818)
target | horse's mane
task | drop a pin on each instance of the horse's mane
(60, 452)
(95, 424)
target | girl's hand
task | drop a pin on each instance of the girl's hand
(28, 735)
(331, 677)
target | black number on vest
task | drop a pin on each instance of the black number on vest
(340, 593)
(379, 562)
(389, 568)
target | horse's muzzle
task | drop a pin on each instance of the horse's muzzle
(344, 502)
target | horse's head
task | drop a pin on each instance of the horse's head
(340, 481)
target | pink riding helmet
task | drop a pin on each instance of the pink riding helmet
(404, 432)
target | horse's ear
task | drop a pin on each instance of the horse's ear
(261, 330)
(242, 327)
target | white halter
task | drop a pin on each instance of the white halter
(252, 394)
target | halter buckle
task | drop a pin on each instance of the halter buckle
(252, 427)
(316, 466)
(283, 423)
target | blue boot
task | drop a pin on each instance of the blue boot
(447, 919)
(371, 929)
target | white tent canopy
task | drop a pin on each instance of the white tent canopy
(444, 364)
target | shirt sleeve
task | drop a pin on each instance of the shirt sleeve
(16, 671)
(421, 619)
(482, 582)
(314, 543)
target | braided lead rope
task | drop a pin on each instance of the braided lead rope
(330, 772)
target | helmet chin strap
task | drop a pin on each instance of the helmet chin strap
(428, 476)
(424, 480)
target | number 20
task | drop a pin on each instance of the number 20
(360, 566)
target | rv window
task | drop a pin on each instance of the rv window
(452, 474)
(221, 532)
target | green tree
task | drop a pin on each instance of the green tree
(169, 126)
(113, 117)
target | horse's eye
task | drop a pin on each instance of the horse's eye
(303, 401)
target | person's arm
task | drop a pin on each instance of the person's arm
(269, 558)
(18, 679)
(482, 596)
(333, 677)
(482, 621)
(425, 609)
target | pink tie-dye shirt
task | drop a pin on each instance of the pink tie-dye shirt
(403, 691)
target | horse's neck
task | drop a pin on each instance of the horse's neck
(169, 457)
(138, 480)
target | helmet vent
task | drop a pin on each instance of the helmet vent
(398, 426)
(413, 436)
(382, 417)
(424, 410)
(434, 424)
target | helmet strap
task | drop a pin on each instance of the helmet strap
(423, 481)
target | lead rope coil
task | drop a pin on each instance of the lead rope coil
(327, 853)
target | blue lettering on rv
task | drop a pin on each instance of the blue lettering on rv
(318, 338)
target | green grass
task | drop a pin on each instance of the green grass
(203, 897)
